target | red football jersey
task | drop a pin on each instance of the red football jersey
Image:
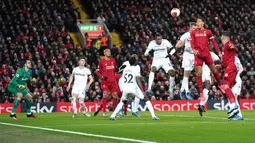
(229, 53)
(199, 40)
(107, 68)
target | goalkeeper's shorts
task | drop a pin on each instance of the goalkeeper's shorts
(15, 90)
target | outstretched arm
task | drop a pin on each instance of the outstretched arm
(99, 70)
(179, 44)
(215, 45)
(149, 48)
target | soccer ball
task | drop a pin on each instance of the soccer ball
(175, 12)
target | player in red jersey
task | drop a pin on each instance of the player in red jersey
(199, 44)
(106, 72)
(229, 77)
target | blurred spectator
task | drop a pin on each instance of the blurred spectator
(101, 19)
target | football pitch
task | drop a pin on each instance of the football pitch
(173, 127)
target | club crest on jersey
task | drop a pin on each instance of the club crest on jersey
(226, 74)
(204, 33)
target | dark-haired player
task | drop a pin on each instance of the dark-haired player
(17, 86)
(230, 74)
(160, 47)
(199, 44)
(106, 72)
(132, 85)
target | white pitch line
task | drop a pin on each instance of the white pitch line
(137, 124)
(211, 117)
(78, 133)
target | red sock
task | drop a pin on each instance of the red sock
(104, 102)
(230, 95)
(200, 84)
(217, 77)
(99, 109)
(114, 103)
(125, 107)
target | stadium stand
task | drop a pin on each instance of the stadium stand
(40, 31)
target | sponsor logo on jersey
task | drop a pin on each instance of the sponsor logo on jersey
(199, 35)
(109, 67)
(159, 49)
(80, 74)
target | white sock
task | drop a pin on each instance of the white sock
(205, 91)
(82, 105)
(151, 79)
(232, 105)
(172, 82)
(149, 105)
(186, 84)
(135, 104)
(74, 105)
(239, 114)
(182, 88)
(117, 110)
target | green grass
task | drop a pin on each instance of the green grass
(173, 127)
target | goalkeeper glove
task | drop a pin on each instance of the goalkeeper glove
(21, 86)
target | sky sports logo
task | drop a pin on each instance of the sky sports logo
(224, 105)
(173, 105)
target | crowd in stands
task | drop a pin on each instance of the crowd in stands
(138, 21)
(39, 30)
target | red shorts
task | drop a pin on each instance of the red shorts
(204, 56)
(230, 75)
(111, 86)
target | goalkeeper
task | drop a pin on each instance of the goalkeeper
(18, 88)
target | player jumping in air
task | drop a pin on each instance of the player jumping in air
(18, 88)
(80, 74)
(188, 60)
(106, 72)
(132, 85)
(199, 44)
(230, 74)
(207, 79)
(160, 47)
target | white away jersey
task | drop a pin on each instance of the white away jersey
(186, 39)
(126, 63)
(205, 68)
(81, 76)
(239, 67)
(238, 64)
(160, 51)
(129, 76)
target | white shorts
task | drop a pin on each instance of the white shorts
(188, 61)
(162, 63)
(206, 73)
(236, 89)
(80, 92)
(137, 92)
(121, 83)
